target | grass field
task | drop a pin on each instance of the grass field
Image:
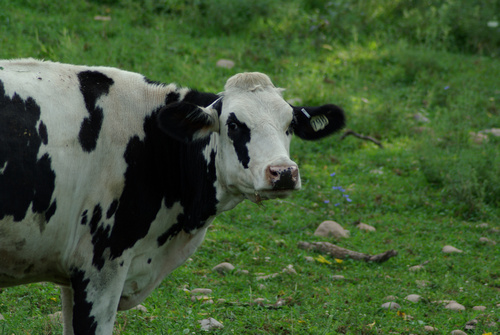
(422, 77)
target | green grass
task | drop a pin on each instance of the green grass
(383, 62)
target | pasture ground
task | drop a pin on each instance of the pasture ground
(418, 76)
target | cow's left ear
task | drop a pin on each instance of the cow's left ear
(312, 123)
(187, 122)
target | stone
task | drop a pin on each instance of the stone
(331, 228)
(482, 225)
(487, 240)
(225, 63)
(478, 138)
(416, 268)
(492, 131)
(421, 118)
(3, 318)
(422, 283)
(289, 270)
(243, 272)
(272, 275)
(390, 305)
(200, 298)
(391, 298)
(413, 297)
(455, 306)
(140, 308)
(55, 318)
(367, 227)
(338, 277)
(479, 308)
(448, 249)
(309, 259)
(260, 301)
(430, 329)
(458, 332)
(223, 267)
(201, 291)
(210, 324)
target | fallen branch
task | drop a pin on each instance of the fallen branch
(363, 137)
(341, 253)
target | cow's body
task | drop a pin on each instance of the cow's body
(108, 181)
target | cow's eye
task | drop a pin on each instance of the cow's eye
(289, 130)
(232, 126)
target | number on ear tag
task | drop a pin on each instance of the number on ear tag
(319, 122)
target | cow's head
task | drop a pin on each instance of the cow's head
(254, 127)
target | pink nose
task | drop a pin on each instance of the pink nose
(282, 177)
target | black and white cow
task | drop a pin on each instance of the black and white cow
(108, 181)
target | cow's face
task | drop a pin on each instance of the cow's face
(254, 126)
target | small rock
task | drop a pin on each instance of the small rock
(210, 324)
(430, 329)
(223, 267)
(413, 298)
(289, 269)
(262, 286)
(200, 298)
(329, 228)
(447, 249)
(221, 301)
(479, 308)
(487, 240)
(492, 131)
(455, 306)
(2, 317)
(492, 324)
(416, 268)
(458, 332)
(482, 225)
(478, 138)
(421, 118)
(367, 227)
(422, 283)
(471, 325)
(225, 63)
(338, 277)
(390, 305)
(377, 171)
(309, 259)
(140, 308)
(272, 275)
(260, 301)
(243, 272)
(201, 291)
(57, 317)
(391, 298)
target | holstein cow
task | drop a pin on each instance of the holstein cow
(108, 181)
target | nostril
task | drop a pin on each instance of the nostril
(282, 177)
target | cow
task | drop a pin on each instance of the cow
(108, 180)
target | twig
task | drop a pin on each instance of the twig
(363, 137)
(341, 253)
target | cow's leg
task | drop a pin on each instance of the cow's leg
(67, 309)
(96, 295)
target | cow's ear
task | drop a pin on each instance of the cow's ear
(312, 123)
(187, 122)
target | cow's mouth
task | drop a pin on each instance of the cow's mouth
(261, 195)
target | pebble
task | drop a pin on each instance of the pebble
(458, 332)
(331, 228)
(447, 249)
(390, 305)
(309, 259)
(478, 138)
(422, 283)
(455, 306)
(479, 308)
(210, 324)
(260, 301)
(243, 272)
(223, 267)
(487, 240)
(225, 63)
(430, 329)
(413, 298)
(338, 277)
(200, 298)
(492, 131)
(140, 308)
(367, 227)
(482, 225)
(272, 275)
(201, 291)
(57, 317)
(391, 298)
(289, 270)
(421, 118)
(416, 268)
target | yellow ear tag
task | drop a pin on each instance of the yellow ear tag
(319, 122)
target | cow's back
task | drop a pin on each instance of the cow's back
(64, 132)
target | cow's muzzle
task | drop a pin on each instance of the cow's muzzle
(282, 177)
